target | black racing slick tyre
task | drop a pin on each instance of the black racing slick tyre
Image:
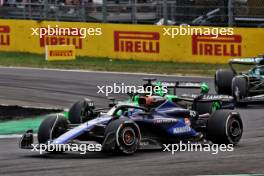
(81, 111)
(125, 136)
(52, 127)
(225, 127)
(223, 81)
(239, 90)
(203, 107)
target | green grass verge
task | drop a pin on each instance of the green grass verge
(106, 64)
(20, 126)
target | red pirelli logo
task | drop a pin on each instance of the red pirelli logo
(62, 40)
(61, 53)
(206, 45)
(4, 35)
(136, 42)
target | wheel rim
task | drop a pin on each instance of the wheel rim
(128, 136)
(235, 129)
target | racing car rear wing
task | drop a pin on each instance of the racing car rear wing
(206, 97)
(255, 60)
(259, 60)
(178, 84)
(188, 85)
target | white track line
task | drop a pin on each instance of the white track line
(105, 72)
(11, 136)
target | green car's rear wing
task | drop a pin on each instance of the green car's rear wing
(259, 60)
(172, 86)
(185, 85)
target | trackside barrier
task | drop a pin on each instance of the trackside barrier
(60, 52)
(139, 42)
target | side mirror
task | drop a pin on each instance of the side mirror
(204, 88)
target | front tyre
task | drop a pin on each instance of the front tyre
(52, 127)
(126, 136)
(224, 127)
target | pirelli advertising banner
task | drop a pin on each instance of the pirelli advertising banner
(139, 42)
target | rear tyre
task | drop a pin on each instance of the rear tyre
(224, 127)
(239, 90)
(52, 127)
(127, 136)
(223, 81)
(81, 111)
(203, 107)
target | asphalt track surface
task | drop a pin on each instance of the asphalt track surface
(60, 89)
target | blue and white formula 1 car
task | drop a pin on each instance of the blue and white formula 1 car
(126, 128)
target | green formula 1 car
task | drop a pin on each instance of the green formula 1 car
(246, 87)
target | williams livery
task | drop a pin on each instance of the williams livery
(245, 87)
(203, 102)
(127, 127)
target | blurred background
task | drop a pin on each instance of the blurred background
(243, 13)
